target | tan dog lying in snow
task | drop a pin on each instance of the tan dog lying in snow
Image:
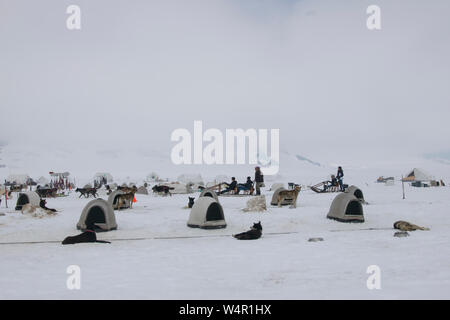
(406, 226)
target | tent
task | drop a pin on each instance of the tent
(195, 179)
(30, 197)
(106, 175)
(354, 190)
(285, 202)
(346, 208)
(97, 214)
(178, 188)
(276, 186)
(18, 178)
(209, 193)
(417, 175)
(206, 213)
(142, 190)
(113, 198)
(152, 177)
(42, 181)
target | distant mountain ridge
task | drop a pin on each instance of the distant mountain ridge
(301, 158)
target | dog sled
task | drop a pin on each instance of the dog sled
(325, 187)
(232, 193)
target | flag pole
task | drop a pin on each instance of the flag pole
(403, 187)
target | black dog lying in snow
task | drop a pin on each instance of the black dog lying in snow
(43, 203)
(87, 236)
(254, 233)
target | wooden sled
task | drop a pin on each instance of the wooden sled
(323, 187)
(234, 193)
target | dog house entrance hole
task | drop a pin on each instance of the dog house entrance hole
(95, 215)
(214, 213)
(358, 193)
(23, 199)
(354, 208)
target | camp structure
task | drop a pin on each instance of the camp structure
(42, 181)
(285, 202)
(419, 178)
(103, 175)
(354, 190)
(179, 188)
(152, 177)
(206, 213)
(417, 174)
(209, 193)
(276, 186)
(13, 179)
(30, 197)
(98, 215)
(346, 208)
(382, 179)
(195, 180)
(142, 190)
(113, 200)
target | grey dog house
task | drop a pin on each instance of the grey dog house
(354, 190)
(206, 213)
(30, 197)
(98, 214)
(346, 208)
(209, 193)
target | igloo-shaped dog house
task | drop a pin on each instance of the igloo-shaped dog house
(209, 193)
(346, 208)
(276, 186)
(354, 190)
(30, 197)
(98, 215)
(142, 190)
(206, 213)
(284, 202)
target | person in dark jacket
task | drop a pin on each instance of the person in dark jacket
(339, 177)
(230, 186)
(259, 180)
(245, 186)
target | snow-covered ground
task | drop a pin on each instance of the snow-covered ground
(277, 266)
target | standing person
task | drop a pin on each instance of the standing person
(259, 180)
(340, 176)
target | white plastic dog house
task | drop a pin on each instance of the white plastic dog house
(346, 208)
(209, 193)
(30, 197)
(142, 190)
(276, 186)
(206, 213)
(285, 202)
(98, 215)
(113, 200)
(354, 190)
(179, 188)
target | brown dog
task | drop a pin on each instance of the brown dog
(289, 194)
(406, 226)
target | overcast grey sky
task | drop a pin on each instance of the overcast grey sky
(137, 70)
